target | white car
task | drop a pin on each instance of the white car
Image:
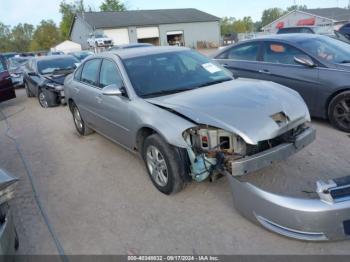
(99, 40)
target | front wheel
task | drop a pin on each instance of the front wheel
(47, 98)
(164, 166)
(339, 111)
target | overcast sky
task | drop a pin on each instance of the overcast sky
(13, 12)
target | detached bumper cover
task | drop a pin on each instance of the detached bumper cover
(264, 159)
(303, 219)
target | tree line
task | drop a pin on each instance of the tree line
(26, 37)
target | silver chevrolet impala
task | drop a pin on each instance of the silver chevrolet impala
(187, 117)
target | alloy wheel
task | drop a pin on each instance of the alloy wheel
(42, 100)
(342, 113)
(157, 166)
(77, 119)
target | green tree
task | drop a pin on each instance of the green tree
(68, 12)
(226, 25)
(45, 36)
(5, 35)
(21, 36)
(270, 15)
(112, 5)
(296, 7)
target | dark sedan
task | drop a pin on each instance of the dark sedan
(316, 66)
(7, 90)
(44, 78)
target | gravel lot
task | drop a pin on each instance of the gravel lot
(100, 200)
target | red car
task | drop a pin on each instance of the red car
(7, 90)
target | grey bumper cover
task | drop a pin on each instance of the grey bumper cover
(251, 164)
(303, 219)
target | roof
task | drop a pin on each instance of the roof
(335, 13)
(100, 20)
(145, 51)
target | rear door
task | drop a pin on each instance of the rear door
(7, 90)
(242, 59)
(278, 65)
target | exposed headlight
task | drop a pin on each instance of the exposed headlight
(54, 86)
(211, 139)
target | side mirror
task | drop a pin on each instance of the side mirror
(113, 90)
(304, 60)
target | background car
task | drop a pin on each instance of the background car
(127, 46)
(184, 114)
(44, 77)
(81, 55)
(7, 90)
(55, 53)
(345, 30)
(16, 69)
(297, 29)
(99, 40)
(316, 66)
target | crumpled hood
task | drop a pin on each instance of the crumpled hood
(58, 79)
(243, 107)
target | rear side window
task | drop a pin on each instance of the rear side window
(109, 74)
(279, 53)
(90, 72)
(246, 52)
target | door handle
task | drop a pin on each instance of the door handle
(99, 99)
(265, 71)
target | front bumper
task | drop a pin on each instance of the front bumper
(303, 219)
(264, 159)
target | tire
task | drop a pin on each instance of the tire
(164, 165)
(47, 98)
(28, 92)
(79, 123)
(339, 111)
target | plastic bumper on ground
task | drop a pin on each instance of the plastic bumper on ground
(303, 219)
(261, 160)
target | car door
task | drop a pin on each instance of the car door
(32, 77)
(113, 111)
(241, 59)
(7, 90)
(279, 66)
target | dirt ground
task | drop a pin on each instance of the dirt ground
(99, 199)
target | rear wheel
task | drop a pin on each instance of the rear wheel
(79, 123)
(164, 165)
(339, 111)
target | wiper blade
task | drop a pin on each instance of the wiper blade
(166, 92)
(215, 82)
(345, 62)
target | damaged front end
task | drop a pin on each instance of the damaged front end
(213, 150)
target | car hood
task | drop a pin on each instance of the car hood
(244, 107)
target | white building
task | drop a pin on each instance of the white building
(67, 47)
(324, 19)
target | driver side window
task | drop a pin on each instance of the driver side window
(109, 74)
(279, 53)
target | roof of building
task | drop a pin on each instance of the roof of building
(100, 20)
(335, 13)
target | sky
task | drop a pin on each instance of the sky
(13, 12)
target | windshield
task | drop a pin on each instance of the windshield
(167, 73)
(82, 55)
(100, 36)
(56, 64)
(328, 49)
(17, 62)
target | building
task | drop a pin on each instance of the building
(67, 47)
(185, 27)
(323, 19)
